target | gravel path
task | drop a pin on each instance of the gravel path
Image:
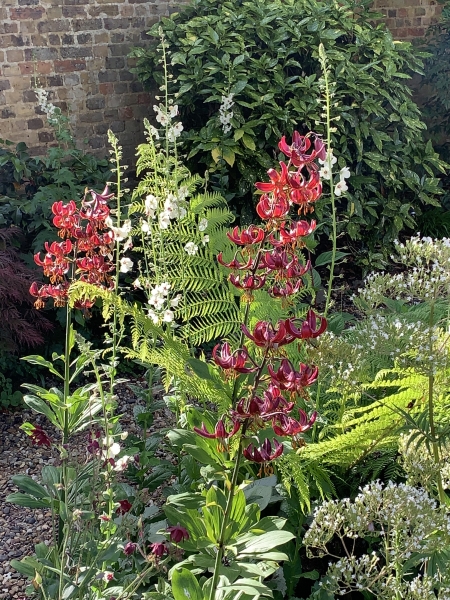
(21, 528)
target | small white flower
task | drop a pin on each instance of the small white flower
(191, 248)
(154, 132)
(145, 227)
(173, 110)
(153, 316)
(124, 435)
(128, 245)
(340, 187)
(168, 316)
(121, 463)
(107, 576)
(203, 224)
(205, 239)
(175, 301)
(164, 220)
(120, 233)
(344, 173)
(137, 284)
(151, 204)
(126, 264)
(325, 173)
(329, 160)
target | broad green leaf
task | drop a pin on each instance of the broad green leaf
(27, 500)
(34, 359)
(185, 586)
(326, 257)
(28, 485)
(259, 544)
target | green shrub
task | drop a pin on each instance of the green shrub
(30, 185)
(266, 54)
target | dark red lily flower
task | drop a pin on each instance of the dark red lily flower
(297, 230)
(159, 549)
(66, 217)
(248, 282)
(177, 533)
(265, 335)
(305, 192)
(247, 237)
(289, 289)
(279, 182)
(125, 506)
(264, 453)
(129, 548)
(232, 360)
(220, 433)
(234, 264)
(287, 378)
(309, 328)
(273, 208)
(55, 263)
(297, 151)
(278, 259)
(40, 437)
(284, 425)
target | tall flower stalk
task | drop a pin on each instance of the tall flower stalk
(268, 257)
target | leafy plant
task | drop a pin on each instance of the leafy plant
(260, 62)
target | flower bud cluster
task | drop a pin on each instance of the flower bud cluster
(85, 250)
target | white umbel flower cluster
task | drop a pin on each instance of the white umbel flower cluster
(226, 112)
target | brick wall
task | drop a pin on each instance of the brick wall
(408, 19)
(77, 50)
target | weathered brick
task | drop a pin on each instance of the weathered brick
(74, 52)
(14, 55)
(4, 85)
(117, 37)
(22, 14)
(9, 27)
(107, 76)
(41, 53)
(116, 62)
(95, 103)
(73, 11)
(6, 113)
(55, 81)
(126, 113)
(107, 10)
(127, 76)
(87, 24)
(29, 96)
(117, 126)
(120, 88)
(102, 128)
(106, 88)
(35, 123)
(117, 23)
(71, 79)
(136, 86)
(66, 66)
(91, 117)
(46, 136)
(97, 142)
(54, 39)
(55, 25)
(28, 2)
(84, 38)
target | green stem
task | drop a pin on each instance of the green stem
(435, 444)
(226, 517)
(333, 203)
(116, 281)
